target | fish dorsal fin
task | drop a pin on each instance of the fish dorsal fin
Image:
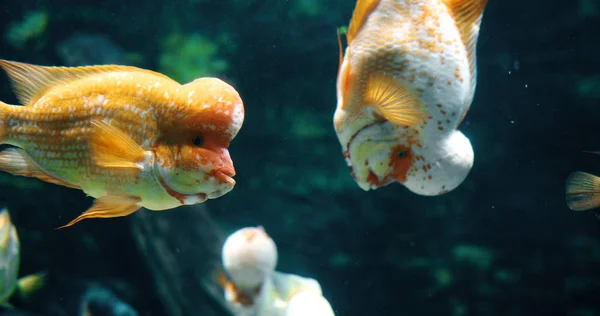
(395, 101)
(30, 82)
(467, 15)
(359, 16)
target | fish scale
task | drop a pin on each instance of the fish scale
(126, 136)
(111, 104)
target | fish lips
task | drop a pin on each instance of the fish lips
(225, 175)
(368, 155)
(226, 183)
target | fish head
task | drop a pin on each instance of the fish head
(249, 256)
(378, 156)
(193, 155)
(383, 153)
(443, 165)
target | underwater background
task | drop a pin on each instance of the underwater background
(502, 243)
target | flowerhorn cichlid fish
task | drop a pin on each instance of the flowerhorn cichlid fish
(126, 136)
(582, 191)
(405, 83)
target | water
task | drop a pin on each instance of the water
(503, 243)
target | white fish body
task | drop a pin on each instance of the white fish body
(405, 83)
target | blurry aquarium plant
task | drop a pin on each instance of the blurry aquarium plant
(31, 27)
(186, 57)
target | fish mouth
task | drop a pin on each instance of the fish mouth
(225, 175)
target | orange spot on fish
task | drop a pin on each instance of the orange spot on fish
(401, 165)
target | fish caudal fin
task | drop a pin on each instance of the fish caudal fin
(30, 284)
(394, 100)
(16, 161)
(112, 148)
(582, 191)
(109, 206)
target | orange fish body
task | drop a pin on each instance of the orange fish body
(128, 137)
(405, 83)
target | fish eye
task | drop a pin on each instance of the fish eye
(198, 141)
(401, 154)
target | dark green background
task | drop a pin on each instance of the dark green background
(503, 243)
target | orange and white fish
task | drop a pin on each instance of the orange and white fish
(126, 136)
(405, 83)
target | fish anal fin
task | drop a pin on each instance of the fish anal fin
(111, 148)
(109, 206)
(16, 161)
(467, 15)
(31, 81)
(582, 191)
(394, 100)
(359, 17)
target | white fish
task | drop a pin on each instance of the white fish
(405, 83)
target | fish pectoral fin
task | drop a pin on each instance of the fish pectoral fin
(582, 191)
(16, 161)
(394, 100)
(30, 284)
(31, 81)
(111, 148)
(109, 206)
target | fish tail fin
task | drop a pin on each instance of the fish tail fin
(29, 285)
(582, 191)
